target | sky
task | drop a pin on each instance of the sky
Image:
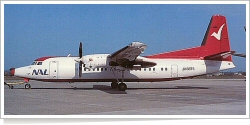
(36, 30)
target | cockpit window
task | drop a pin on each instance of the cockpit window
(39, 63)
(34, 63)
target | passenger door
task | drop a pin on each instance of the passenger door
(53, 70)
(174, 71)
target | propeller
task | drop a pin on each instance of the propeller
(80, 62)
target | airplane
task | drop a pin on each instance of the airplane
(126, 64)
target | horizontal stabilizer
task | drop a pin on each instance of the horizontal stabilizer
(219, 56)
(240, 55)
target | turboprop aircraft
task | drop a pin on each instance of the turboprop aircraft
(126, 65)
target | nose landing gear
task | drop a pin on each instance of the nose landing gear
(27, 85)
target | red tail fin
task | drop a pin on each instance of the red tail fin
(214, 46)
(216, 39)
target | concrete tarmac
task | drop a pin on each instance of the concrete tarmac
(183, 97)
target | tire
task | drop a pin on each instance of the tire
(114, 85)
(27, 86)
(122, 86)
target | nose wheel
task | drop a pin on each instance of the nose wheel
(27, 86)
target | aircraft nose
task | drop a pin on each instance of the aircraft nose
(12, 71)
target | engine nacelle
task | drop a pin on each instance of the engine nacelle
(136, 67)
(136, 64)
(144, 64)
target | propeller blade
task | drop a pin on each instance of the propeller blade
(80, 69)
(80, 50)
(80, 62)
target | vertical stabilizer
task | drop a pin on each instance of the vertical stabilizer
(216, 40)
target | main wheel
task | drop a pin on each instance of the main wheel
(27, 86)
(122, 86)
(114, 85)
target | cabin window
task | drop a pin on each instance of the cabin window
(153, 69)
(145, 69)
(149, 69)
(105, 69)
(161, 69)
(97, 69)
(166, 69)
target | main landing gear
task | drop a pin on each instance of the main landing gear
(120, 85)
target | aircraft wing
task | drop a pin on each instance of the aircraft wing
(129, 52)
(127, 56)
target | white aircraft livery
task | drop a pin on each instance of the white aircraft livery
(126, 65)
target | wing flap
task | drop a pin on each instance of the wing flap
(240, 55)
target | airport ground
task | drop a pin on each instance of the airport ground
(183, 97)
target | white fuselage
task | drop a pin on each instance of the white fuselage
(65, 69)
